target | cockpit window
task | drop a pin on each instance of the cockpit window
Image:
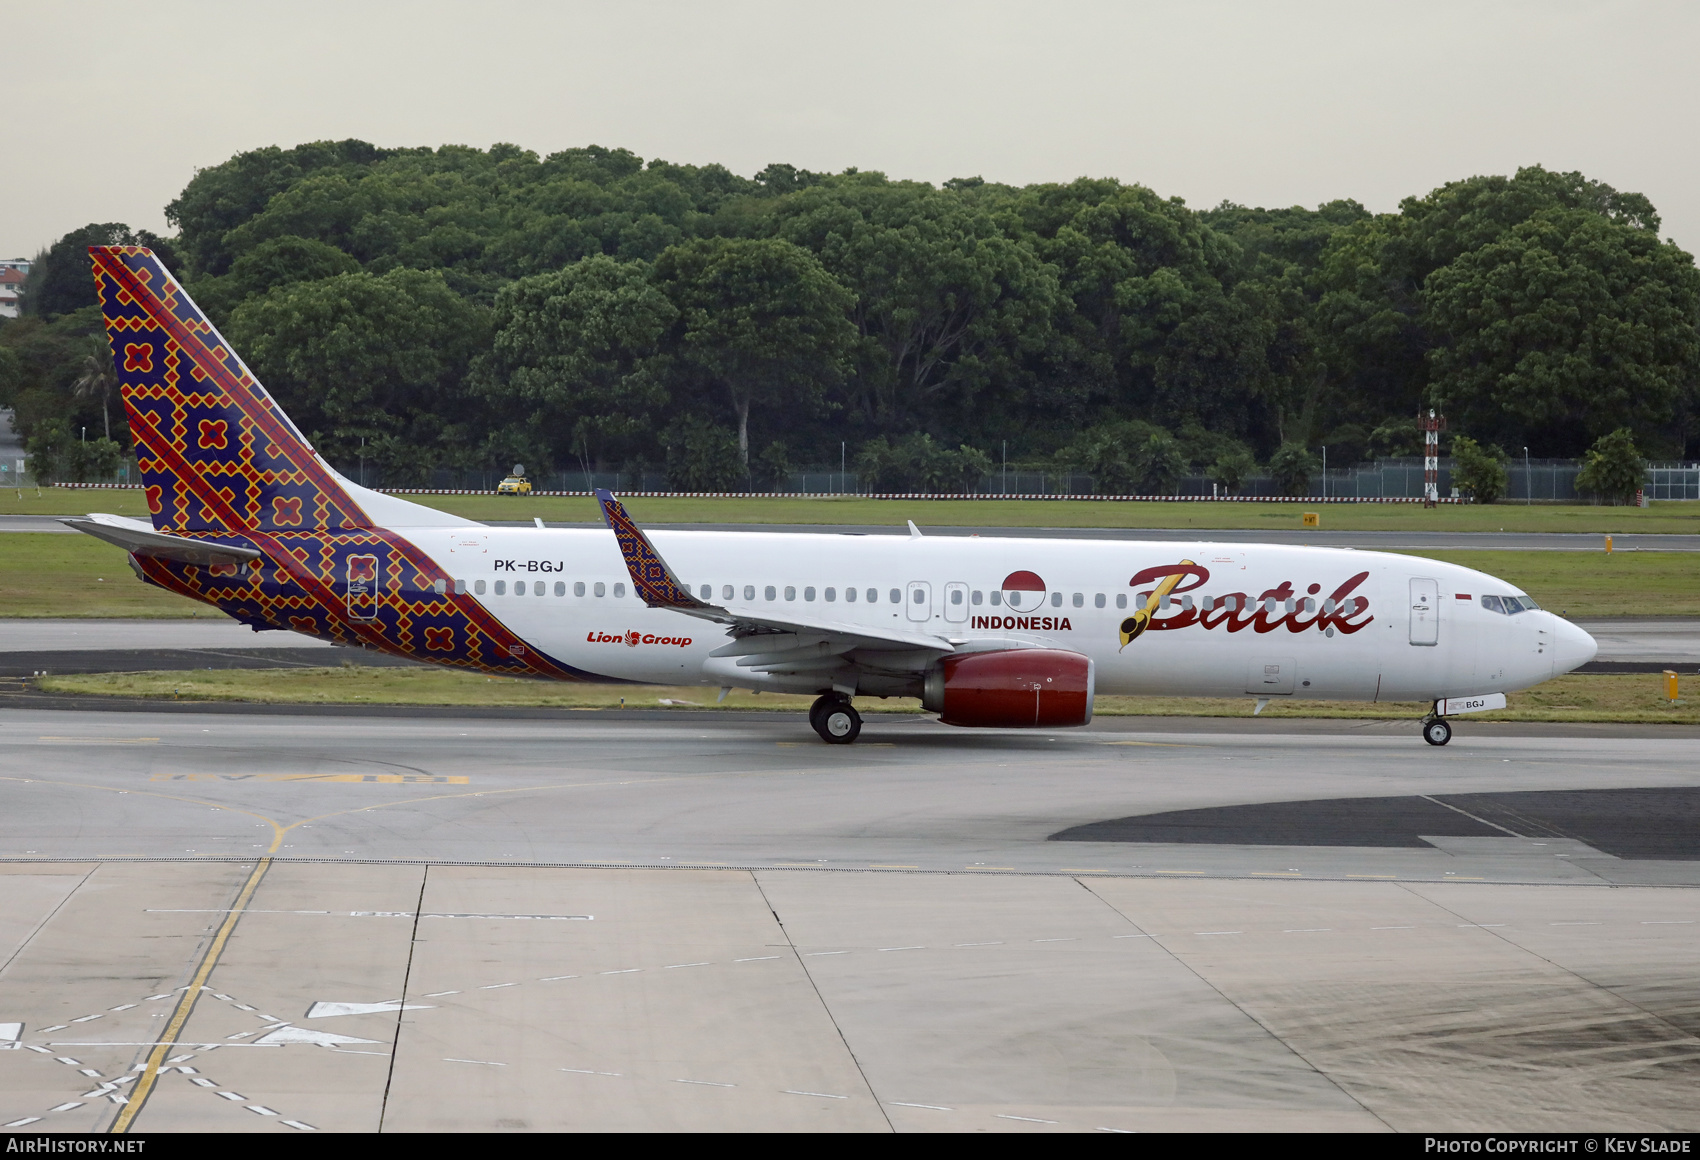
(1509, 605)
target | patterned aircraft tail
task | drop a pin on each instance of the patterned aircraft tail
(217, 454)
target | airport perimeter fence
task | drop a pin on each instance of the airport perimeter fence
(1385, 481)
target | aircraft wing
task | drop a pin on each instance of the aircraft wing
(764, 642)
(139, 538)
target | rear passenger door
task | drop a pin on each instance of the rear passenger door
(918, 600)
(956, 601)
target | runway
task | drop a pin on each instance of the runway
(1627, 644)
(703, 922)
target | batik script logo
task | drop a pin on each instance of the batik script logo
(1273, 608)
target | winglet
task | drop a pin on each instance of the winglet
(914, 532)
(652, 579)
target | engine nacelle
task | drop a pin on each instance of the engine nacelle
(1011, 689)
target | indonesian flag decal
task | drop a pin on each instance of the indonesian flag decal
(1023, 590)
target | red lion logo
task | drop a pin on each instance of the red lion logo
(215, 435)
(138, 356)
(632, 638)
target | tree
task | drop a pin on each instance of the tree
(1232, 469)
(1613, 470)
(702, 456)
(1477, 471)
(915, 463)
(62, 280)
(1565, 327)
(98, 381)
(578, 352)
(1292, 465)
(759, 319)
(946, 302)
(363, 356)
(48, 451)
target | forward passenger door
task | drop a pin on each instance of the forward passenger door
(1425, 612)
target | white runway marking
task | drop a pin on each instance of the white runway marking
(481, 1062)
(929, 1107)
(822, 1095)
(1026, 1119)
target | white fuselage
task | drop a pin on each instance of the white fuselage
(1422, 631)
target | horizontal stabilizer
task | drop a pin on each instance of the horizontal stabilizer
(139, 538)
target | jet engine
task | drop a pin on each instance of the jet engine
(1011, 689)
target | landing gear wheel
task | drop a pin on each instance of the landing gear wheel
(838, 723)
(821, 705)
(1436, 731)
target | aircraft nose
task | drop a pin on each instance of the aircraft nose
(1572, 648)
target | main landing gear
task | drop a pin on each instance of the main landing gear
(835, 719)
(1436, 731)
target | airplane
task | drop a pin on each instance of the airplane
(986, 631)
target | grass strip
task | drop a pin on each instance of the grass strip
(1672, 516)
(1636, 698)
(43, 574)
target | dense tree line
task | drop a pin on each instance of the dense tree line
(456, 307)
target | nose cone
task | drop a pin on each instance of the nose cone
(1572, 648)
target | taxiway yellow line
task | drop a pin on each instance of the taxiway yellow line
(186, 1005)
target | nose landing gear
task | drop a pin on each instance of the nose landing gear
(835, 719)
(1436, 731)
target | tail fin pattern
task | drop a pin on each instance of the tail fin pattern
(217, 454)
(221, 462)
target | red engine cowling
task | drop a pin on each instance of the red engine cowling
(1011, 688)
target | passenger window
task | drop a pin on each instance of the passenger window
(1098, 600)
(539, 588)
(460, 587)
(501, 587)
(1121, 600)
(749, 592)
(808, 594)
(790, 593)
(873, 596)
(726, 592)
(706, 592)
(977, 597)
(920, 595)
(1290, 605)
(1186, 603)
(1056, 600)
(955, 595)
(831, 595)
(578, 587)
(1079, 600)
(896, 596)
(619, 590)
(769, 593)
(849, 596)
(478, 587)
(440, 587)
(601, 589)
(997, 597)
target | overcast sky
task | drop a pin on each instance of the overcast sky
(111, 107)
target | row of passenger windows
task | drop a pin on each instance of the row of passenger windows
(1506, 604)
